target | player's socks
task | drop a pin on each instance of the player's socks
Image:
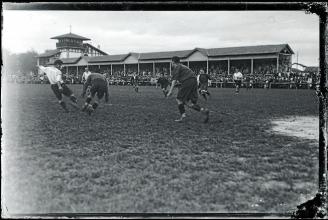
(181, 109)
(84, 107)
(90, 109)
(73, 98)
(74, 105)
(204, 95)
(63, 104)
(88, 100)
(95, 105)
(196, 107)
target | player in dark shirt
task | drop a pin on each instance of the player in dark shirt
(164, 83)
(187, 92)
(203, 79)
(248, 82)
(135, 82)
(98, 85)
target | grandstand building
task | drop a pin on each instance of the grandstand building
(265, 59)
(76, 55)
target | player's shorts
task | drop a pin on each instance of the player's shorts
(164, 86)
(203, 86)
(238, 82)
(66, 91)
(188, 91)
(98, 86)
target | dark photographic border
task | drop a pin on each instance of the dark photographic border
(318, 8)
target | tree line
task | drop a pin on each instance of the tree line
(20, 64)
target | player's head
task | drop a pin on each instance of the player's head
(58, 64)
(201, 71)
(175, 60)
(86, 69)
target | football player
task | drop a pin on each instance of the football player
(85, 75)
(203, 79)
(57, 84)
(164, 83)
(98, 85)
(237, 77)
(135, 82)
(187, 92)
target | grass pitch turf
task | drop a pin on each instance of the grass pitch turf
(130, 155)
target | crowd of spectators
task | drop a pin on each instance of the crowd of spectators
(262, 76)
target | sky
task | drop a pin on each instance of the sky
(120, 32)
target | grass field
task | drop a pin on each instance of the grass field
(130, 155)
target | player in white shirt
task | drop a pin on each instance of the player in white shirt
(58, 86)
(85, 75)
(237, 77)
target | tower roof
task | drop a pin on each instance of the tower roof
(70, 35)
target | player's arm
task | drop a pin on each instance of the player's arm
(83, 77)
(85, 86)
(174, 82)
(42, 70)
(59, 80)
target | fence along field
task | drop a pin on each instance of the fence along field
(130, 155)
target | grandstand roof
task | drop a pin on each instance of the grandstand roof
(108, 58)
(226, 51)
(49, 53)
(70, 35)
(67, 60)
(296, 70)
(302, 65)
(262, 49)
(164, 55)
(311, 69)
(212, 52)
(95, 48)
(202, 50)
